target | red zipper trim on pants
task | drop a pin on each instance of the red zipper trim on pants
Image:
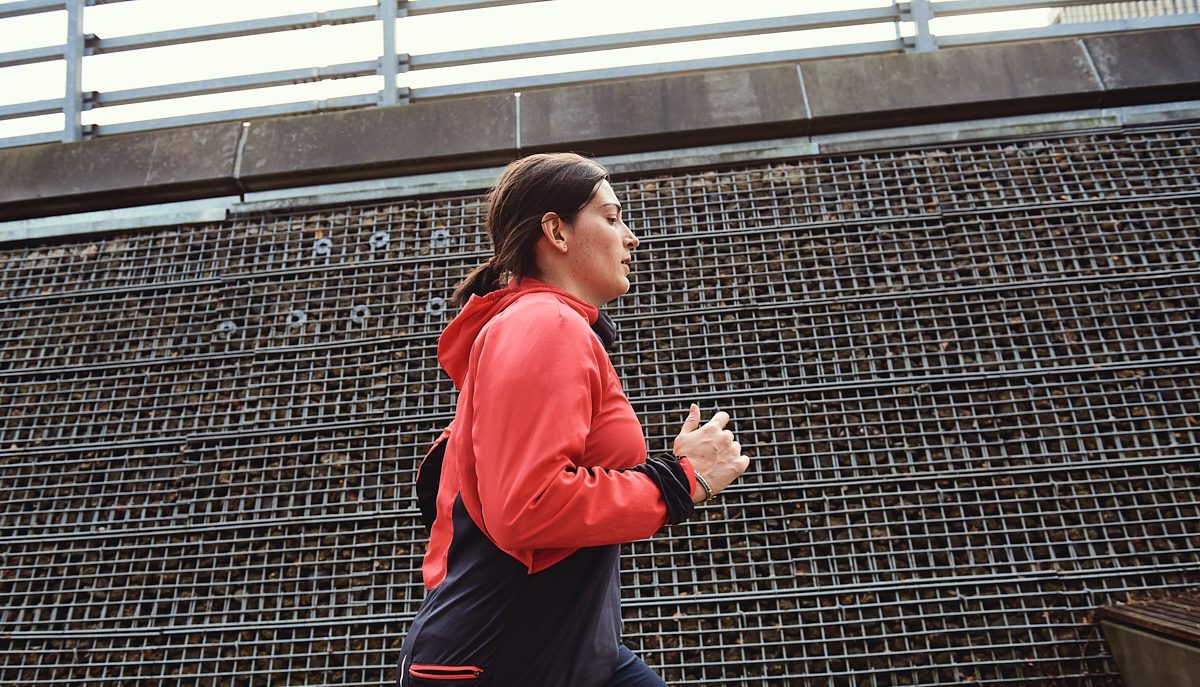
(432, 672)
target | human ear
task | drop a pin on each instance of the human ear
(552, 229)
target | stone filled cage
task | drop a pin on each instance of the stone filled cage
(968, 374)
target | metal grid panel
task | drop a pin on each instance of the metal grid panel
(1021, 631)
(230, 577)
(997, 330)
(675, 274)
(116, 261)
(1123, 10)
(122, 403)
(82, 491)
(109, 325)
(834, 436)
(935, 181)
(322, 653)
(789, 528)
(968, 375)
(244, 478)
(938, 181)
(939, 634)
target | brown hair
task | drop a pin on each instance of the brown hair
(528, 188)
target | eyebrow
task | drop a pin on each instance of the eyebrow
(607, 204)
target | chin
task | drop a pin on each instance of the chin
(617, 293)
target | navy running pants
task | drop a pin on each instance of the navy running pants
(631, 672)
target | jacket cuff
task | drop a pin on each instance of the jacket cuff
(674, 483)
(690, 471)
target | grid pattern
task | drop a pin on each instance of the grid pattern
(1122, 10)
(968, 374)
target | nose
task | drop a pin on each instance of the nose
(630, 238)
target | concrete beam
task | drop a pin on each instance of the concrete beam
(119, 171)
(654, 112)
(949, 84)
(441, 135)
(1147, 66)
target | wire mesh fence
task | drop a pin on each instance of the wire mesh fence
(968, 373)
(1124, 10)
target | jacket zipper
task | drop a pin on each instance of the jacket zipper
(435, 672)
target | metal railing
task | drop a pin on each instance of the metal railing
(914, 16)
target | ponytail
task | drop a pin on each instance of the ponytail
(479, 282)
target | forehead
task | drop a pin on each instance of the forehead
(604, 195)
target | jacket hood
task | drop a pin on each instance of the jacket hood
(454, 345)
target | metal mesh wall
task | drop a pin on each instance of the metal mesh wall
(968, 373)
(1124, 10)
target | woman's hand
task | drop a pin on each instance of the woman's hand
(712, 451)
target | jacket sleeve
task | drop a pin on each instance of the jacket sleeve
(538, 380)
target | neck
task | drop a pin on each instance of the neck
(567, 284)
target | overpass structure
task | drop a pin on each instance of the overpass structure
(947, 295)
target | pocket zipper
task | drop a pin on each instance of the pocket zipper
(434, 672)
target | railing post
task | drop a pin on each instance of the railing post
(919, 12)
(73, 93)
(386, 10)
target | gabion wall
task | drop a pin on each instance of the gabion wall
(1124, 10)
(968, 373)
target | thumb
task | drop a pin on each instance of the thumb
(692, 423)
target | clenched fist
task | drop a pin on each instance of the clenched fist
(712, 451)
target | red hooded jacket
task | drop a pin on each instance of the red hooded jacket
(543, 435)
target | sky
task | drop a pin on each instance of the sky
(417, 35)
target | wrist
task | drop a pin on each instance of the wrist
(698, 492)
(706, 493)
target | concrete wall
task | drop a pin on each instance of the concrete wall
(630, 115)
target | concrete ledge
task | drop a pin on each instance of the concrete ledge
(953, 83)
(119, 171)
(646, 113)
(627, 116)
(1148, 66)
(446, 134)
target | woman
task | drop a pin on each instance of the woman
(543, 472)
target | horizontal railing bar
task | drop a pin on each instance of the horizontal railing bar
(351, 15)
(30, 139)
(37, 107)
(47, 53)
(1066, 30)
(24, 7)
(655, 37)
(236, 83)
(234, 29)
(657, 68)
(243, 113)
(416, 7)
